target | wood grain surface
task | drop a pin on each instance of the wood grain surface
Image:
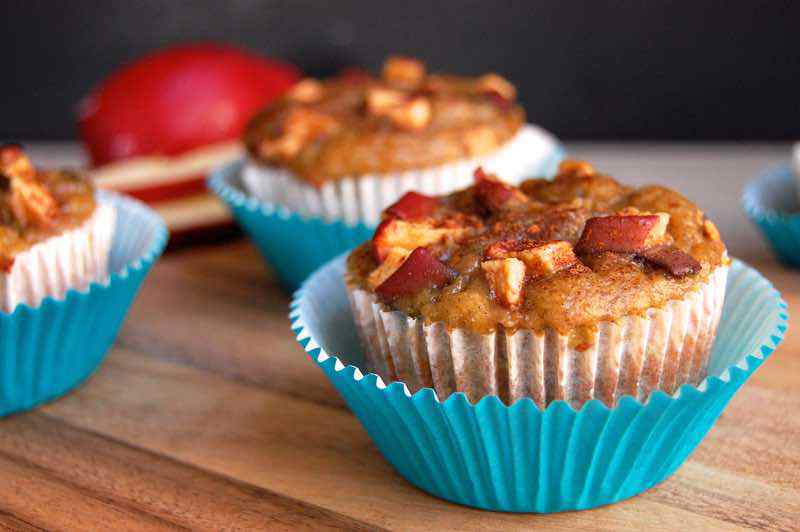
(207, 415)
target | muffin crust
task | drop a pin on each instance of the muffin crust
(37, 204)
(563, 254)
(405, 119)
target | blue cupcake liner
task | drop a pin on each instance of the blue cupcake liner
(771, 203)
(521, 458)
(292, 244)
(47, 350)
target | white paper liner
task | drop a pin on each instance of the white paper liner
(634, 356)
(362, 198)
(72, 259)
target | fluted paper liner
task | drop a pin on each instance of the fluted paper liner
(72, 259)
(524, 458)
(50, 348)
(773, 206)
(532, 152)
(660, 350)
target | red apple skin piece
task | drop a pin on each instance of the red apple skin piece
(620, 234)
(672, 259)
(419, 271)
(178, 99)
(495, 194)
(413, 206)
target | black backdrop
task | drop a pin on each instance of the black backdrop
(586, 69)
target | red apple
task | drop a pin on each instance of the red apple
(179, 99)
(420, 270)
(495, 194)
(413, 206)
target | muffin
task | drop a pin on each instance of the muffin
(573, 289)
(344, 148)
(53, 234)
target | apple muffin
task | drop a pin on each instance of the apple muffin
(346, 147)
(54, 235)
(577, 288)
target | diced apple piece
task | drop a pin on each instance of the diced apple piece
(575, 168)
(395, 233)
(506, 278)
(302, 125)
(413, 115)
(14, 162)
(495, 194)
(711, 231)
(307, 90)
(380, 100)
(622, 233)
(419, 271)
(547, 258)
(39, 206)
(403, 71)
(672, 259)
(413, 206)
(394, 259)
(494, 83)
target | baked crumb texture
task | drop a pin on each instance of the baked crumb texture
(565, 254)
(37, 204)
(405, 119)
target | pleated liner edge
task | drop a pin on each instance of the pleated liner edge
(520, 458)
(49, 349)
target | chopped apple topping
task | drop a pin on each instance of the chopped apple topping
(497, 84)
(396, 233)
(711, 230)
(403, 72)
(394, 259)
(380, 100)
(420, 270)
(413, 115)
(673, 260)
(540, 258)
(301, 126)
(495, 194)
(506, 278)
(623, 233)
(413, 206)
(29, 202)
(575, 168)
(308, 90)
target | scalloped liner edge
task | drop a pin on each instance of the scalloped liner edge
(747, 364)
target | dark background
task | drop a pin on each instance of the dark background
(595, 69)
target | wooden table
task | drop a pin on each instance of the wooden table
(208, 415)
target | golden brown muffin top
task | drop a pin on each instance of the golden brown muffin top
(405, 119)
(563, 254)
(37, 204)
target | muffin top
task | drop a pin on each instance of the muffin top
(562, 254)
(37, 204)
(406, 119)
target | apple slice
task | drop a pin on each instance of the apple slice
(540, 258)
(396, 233)
(495, 194)
(506, 278)
(413, 206)
(393, 260)
(672, 259)
(403, 72)
(419, 271)
(622, 233)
